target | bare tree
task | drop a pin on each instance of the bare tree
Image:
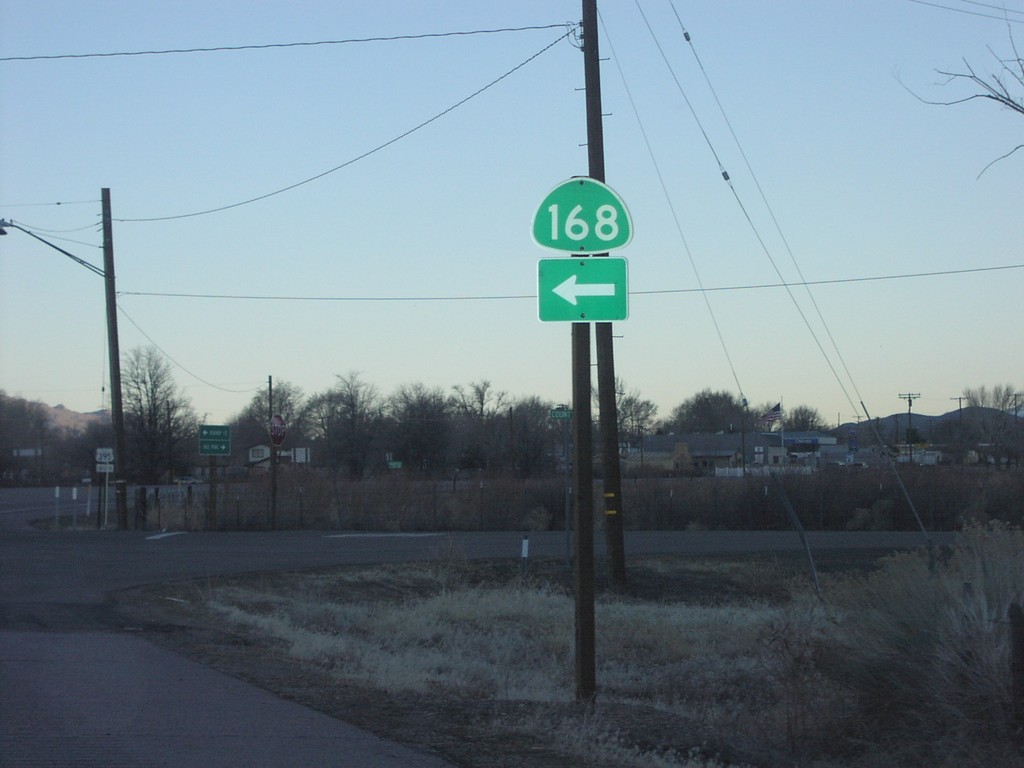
(1004, 87)
(636, 414)
(421, 427)
(251, 425)
(160, 424)
(706, 411)
(991, 421)
(531, 436)
(804, 418)
(478, 407)
(22, 427)
(348, 420)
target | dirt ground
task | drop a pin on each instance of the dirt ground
(473, 733)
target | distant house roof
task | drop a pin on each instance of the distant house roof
(801, 438)
(701, 444)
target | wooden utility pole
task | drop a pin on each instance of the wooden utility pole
(273, 455)
(1016, 619)
(910, 397)
(582, 426)
(606, 395)
(114, 353)
(583, 513)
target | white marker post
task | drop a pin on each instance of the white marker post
(105, 465)
(74, 508)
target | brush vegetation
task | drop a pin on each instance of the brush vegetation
(905, 662)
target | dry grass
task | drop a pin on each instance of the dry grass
(701, 663)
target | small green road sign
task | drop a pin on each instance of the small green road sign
(582, 290)
(582, 216)
(214, 440)
(561, 413)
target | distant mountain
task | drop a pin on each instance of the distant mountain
(924, 424)
(59, 417)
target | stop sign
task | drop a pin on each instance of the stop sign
(277, 429)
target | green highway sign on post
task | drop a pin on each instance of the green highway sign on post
(561, 413)
(582, 216)
(214, 440)
(582, 290)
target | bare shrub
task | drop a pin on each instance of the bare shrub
(803, 710)
(928, 654)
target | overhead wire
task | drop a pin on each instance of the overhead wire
(742, 206)
(41, 205)
(867, 415)
(266, 46)
(49, 233)
(768, 208)
(176, 363)
(523, 296)
(364, 155)
(1005, 17)
(672, 209)
(1002, 8)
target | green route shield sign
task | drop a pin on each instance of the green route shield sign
(582, 216)
(214, 440)
(582, 290)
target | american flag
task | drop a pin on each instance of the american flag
(774, 414)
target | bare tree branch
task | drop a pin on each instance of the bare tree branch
(1002, 157)
(995, 87)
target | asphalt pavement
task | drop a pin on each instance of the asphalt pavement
(77, 688)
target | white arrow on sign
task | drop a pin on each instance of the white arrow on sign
(570, 290)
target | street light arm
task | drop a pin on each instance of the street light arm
(91, 267)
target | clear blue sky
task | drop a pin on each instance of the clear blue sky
(863, 178)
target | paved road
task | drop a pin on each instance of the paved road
(77, 689)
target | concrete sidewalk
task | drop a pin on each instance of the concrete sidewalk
(115, 700)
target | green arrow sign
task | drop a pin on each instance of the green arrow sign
(582, 290)
(582, 216)
(214, 432)
(214, 440)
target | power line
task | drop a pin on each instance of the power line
(1005, 17)
(266, 46)
(525, 296)
(1002, 8)
(40, 205)
(775, 221)
(675, 215)
(743, 208)
(91, 267)
(50, 232)
(364, 155)
(836, 281)
(179, 365)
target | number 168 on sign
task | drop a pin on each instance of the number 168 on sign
(582, 216)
